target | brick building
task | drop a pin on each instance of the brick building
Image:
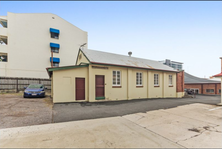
(180, 81)
(201, 85)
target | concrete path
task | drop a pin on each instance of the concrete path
(192, 126)
(113, 132)
(189, 126)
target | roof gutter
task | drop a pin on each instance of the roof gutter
(204, 83)
(50, 69)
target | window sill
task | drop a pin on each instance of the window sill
(117, 86)
(139, 86)
(156, 86)
(170, 85)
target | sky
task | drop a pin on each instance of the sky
(184, 31)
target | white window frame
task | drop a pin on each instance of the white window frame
(156, 79)
(139, 79)
(116, 83)
(170, 80)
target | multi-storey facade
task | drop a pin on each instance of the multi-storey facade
(173, 64)
(26, 42)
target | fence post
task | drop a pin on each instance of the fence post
(17, 85)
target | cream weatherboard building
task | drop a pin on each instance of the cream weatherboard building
(27, 40)
(105, 76)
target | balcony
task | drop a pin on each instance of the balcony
(3, 31)
(3, 48)
(3, 21)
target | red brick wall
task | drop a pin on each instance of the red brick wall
(194, 86)
(180, 81)
(202, 88)
(218, 88)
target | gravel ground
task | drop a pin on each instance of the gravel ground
(16, 111)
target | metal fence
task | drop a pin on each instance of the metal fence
(18, 84)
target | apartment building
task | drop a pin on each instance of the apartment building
(26, 42)
(173, 64)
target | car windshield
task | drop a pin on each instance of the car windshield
(35, 86)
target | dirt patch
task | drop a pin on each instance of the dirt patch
(48, 102)
(206, 127)
(195, 130)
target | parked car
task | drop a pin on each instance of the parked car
(34, 90)
(190, 91)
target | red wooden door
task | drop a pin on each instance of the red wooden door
(80, 88)
(100, 87)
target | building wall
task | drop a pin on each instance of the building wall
(64, 84)
(180, 84)
(170, 91)
(110, 92)
(202, 88)
(64, 90)
(81, 58)
(137, 92)
(28, 44)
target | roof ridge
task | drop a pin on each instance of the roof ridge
(194, 79)
(122, 55)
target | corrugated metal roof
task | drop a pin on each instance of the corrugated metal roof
(122, 60)
(188, 78)
(218, 75)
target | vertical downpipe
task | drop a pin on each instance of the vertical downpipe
(127, 84)
(147, 83)
(163, 84)
(52, 59)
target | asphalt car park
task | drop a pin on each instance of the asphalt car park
(82, 111)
